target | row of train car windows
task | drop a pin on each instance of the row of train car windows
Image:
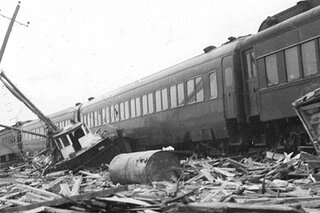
(32, 137)
(41, 130)
(8, 140)
(300, 61)
(157, 101)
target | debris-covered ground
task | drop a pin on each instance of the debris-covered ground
(270, 183)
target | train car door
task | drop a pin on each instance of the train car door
(252, 82)
(229, 88)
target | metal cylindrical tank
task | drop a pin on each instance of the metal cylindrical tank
(143, 167)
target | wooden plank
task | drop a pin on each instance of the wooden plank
(50, 210)
(235, 208)
(61, 201)
(89, 175)
(274, 156)
(64, 189)
(225, 173)
(207, 174)
(36, 190)
(127, 200)
(76, 186)
(237, 164)
(32, 196)
(56, 174)
(16, 202)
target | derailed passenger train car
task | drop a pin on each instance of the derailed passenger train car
(240, 92)
(179, 105)
(280, 64)
(237, 94)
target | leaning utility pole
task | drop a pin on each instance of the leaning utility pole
(6, 38)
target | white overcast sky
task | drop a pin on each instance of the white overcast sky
(75, 49)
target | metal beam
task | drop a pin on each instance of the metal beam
(20, 130)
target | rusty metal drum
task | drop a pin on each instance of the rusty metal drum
(143, 167)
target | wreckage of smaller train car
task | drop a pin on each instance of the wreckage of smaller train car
(73, 147)
(308, 109)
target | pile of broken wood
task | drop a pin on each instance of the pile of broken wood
(276, 183)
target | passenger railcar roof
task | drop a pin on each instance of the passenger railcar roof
(291, 23)
(53, 116)
(219, 52)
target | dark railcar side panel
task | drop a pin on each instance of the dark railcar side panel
(276, 102)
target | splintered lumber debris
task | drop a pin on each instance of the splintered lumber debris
(65, 200)
(76, 186)
(157, 181)
(143, 167)
(235, 207)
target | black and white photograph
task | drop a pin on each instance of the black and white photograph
(160, 106)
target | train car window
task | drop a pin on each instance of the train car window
(173, 96)
(180, 94)
(104, 115)
(213, 85)
(144, 105)
(272, 70)
(199, 89)
(107, 115)
(85, 119)
(228, 76)
(112, 114)
(251, 64)
(122, 117)
(158, 101)
(96, 118)
(92, 119)
(164, 94)
(309, 59)
(89, 120)
(191, 91)
(133, 108)
(292, 63)
(150, 102)
(116, 112)
(100, 117)
(126, 109)
(138, 106)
